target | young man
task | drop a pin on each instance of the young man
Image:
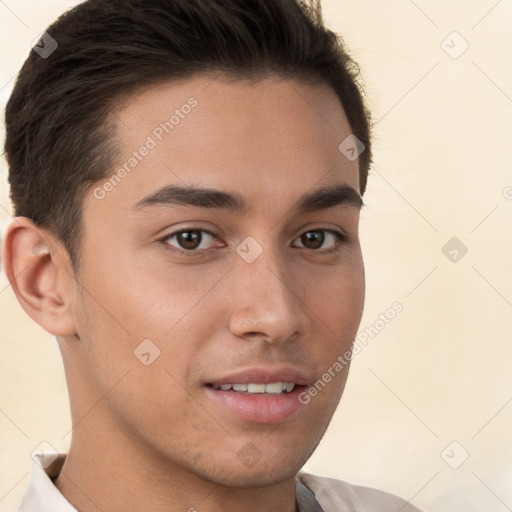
(187, 179)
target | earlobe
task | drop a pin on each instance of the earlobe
(34, 265)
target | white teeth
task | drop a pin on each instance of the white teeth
(274, 388)
(256, 388)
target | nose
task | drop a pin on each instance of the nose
(266, 299)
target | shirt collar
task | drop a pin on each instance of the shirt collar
(41, 494)
(306, 501)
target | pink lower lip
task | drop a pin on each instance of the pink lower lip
(258, 408)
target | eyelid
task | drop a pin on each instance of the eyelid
(341, 237)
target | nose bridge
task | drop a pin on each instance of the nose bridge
(265, 301)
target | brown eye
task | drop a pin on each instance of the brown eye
(313, 239)
(189, 239)
(316, 238)
(193, 240)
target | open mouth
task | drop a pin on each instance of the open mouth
(273, 388)
(259, 394)
(256, 402)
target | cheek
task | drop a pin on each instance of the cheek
(338, 301)
(152, 299)
(144, 314)
(141, 378)
(142, 299)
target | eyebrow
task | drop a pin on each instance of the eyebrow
(319, 199)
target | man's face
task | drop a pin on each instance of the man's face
(266, 294)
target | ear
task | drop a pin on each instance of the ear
(40, 273)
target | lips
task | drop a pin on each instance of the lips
(259, 395)
(264, 376)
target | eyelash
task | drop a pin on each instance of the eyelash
(342, 239)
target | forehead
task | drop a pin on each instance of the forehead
(266, 139)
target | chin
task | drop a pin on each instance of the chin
(261, 476)
(244, 469)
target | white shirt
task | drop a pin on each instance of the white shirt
(332, 495)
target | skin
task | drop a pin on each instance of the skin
(148, 437)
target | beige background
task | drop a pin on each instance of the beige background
(440, 371)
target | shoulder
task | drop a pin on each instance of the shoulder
(334, 495)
